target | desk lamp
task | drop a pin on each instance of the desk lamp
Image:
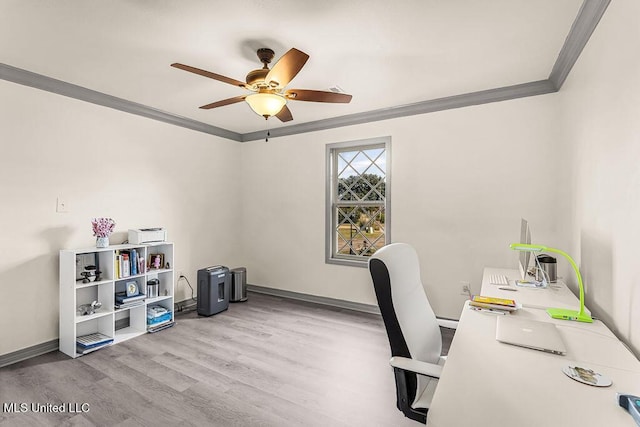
(560, 313)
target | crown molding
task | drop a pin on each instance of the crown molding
(583, 26)
(458, 101)
(38, 81)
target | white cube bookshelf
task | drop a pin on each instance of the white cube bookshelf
(117, 324)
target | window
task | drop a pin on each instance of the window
(357, 200)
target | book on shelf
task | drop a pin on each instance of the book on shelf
(93, 340)
(156, 310)
(158, 320)
(141, 265)
(157, 314)
(121, 297)
(125, 267)
(129, 304)
(117, 265)
(129, 262)
(134, 262)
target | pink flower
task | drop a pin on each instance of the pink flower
(102, 227)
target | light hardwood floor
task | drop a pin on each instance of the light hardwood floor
(265, 362)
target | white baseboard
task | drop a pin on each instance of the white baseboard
(349, 305)
(28, 353)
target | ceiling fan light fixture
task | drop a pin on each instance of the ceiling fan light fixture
(266, 104)
(270, 96)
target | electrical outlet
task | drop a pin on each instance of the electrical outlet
(465, 288)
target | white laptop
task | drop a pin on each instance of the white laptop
(543, 336)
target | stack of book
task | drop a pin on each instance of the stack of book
(494, 305)
(128, 263)
(158, 318)
(124, 301)
(88, 343)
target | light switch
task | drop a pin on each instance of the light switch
(61, 206)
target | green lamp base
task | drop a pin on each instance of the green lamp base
(564, 314)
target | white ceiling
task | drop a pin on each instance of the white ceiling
(385, 53)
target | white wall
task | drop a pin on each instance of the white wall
(601, 130)
(461, 180)
(104, 163)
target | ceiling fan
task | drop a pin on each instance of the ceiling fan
(270, 97)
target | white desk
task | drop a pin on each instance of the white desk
(488, 383)
(556, 295)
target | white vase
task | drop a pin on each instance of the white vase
(102, 242)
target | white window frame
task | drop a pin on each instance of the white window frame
(331, 257)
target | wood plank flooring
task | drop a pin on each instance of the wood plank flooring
(266, 362)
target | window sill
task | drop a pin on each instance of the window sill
(348, 262)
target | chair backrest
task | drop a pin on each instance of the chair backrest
(410, 322)
(408, 318)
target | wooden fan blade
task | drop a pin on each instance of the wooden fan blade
(317, 96)
(285, 114)
(224, 102)
(287, 67)
(209, 74)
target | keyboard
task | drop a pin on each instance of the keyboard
(498, 279)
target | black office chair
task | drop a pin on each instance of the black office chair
(412, 327)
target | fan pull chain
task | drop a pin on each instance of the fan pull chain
(266, 119)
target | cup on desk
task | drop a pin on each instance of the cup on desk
(549, 267)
